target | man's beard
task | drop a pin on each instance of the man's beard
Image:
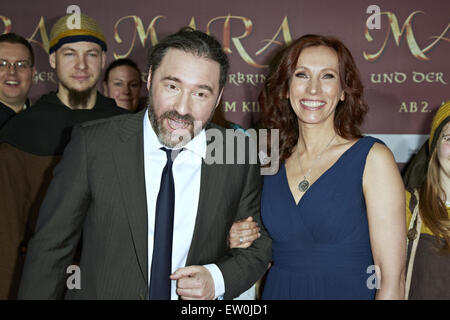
(173, 140)
(78, 99)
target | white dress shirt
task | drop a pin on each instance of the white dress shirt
(186, 174)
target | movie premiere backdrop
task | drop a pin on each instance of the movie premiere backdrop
(400, 46)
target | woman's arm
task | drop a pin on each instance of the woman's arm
(385, 201)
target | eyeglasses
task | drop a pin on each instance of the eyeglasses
(18, 65)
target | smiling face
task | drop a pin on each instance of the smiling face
(78, 66)
(124, 86)
(184, 89)
(15, 83)
(315, 88)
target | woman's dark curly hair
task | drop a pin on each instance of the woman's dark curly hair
(276, 109)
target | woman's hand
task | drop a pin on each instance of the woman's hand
(243, 233)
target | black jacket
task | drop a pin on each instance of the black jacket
(5, 114)
(44, 129)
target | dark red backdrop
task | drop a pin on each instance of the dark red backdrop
(404, 64)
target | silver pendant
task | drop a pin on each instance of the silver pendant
(412, 234)
(303, 185)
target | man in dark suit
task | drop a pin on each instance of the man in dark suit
(118, 180)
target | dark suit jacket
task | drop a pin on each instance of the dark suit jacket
(98, 190)
(6, 113)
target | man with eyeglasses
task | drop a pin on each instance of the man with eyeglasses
(32, 142)
(16, 75)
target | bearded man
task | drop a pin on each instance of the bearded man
(32, 142)
(154, 211)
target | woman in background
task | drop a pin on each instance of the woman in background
(123, 83)
(428, 210)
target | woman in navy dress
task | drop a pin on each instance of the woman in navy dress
(335, 210)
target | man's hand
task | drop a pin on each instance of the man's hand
(243, 233)
(194, 283)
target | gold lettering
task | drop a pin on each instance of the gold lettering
(414, 106)
(192, 24)
(7, 23)
(50, 77)
(43, 76)
(246, 106)
(387, 77)
(44, 36)
(255, 106)
(375, 80)
(262, 78)
(250, 106)
(418, 77)
(241, 78)
(403, 107)
(440, 37)
(286, 36)
(231, 106)
(397, 34)
(250, 79)
(139, 28)
(400, 77)
(248, 26)
(439, 76)
(232, 79)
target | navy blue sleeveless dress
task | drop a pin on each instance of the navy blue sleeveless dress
(320, 247)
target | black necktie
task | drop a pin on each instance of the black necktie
(160, 284)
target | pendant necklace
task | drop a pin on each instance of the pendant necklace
(304, 184)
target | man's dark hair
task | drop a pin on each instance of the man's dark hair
(122, 62)
(194, 42)
(15, 38)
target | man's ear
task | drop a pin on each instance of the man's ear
(149, 78)
(52, 60)
(103, 59)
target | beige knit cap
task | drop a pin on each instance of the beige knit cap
(89, 30)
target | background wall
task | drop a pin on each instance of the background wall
(404, 61)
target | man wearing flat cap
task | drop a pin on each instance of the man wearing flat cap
(31, 144)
